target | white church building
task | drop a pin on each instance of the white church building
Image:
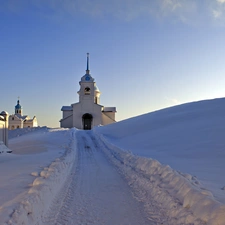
(18, 120)
(88, 112)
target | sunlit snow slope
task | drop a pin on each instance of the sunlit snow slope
(189, 137)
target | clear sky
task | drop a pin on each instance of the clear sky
(144, 55)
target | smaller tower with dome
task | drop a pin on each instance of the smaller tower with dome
(88, 112)
(18, 108)
(18, 120)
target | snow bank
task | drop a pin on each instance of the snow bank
(3, 148)
(22, 131)
(43, 189)
(179, 195)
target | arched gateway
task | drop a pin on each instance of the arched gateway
(87, 121)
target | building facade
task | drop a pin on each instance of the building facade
(18, 120)
(4, 128)
(88, 112)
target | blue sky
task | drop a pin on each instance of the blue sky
(144, 55)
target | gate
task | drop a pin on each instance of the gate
(87, 121)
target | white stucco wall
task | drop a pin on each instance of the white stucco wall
(15, 123)
(21, 123)
(4, 129)
(106, 118)
(67, 122)
(111, 115)
(30, 122)
(86, 106)
(67, 113)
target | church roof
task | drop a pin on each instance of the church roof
(4, 113)
(28, 120)
(21, 117)
(18, 106)
(87, 78)
(96, 88)
(67, 108)
(109, 109)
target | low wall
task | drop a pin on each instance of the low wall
(4, 127)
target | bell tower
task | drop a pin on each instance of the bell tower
(88, 112)
(18, 108)
(88, 88)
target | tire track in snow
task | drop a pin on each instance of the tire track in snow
(95, 193)
(142, 186)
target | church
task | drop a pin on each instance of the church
(88, 112)
(18, 120)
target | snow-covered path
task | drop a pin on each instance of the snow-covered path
(94, 193)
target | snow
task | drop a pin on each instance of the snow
(172, 161)
(30, 177)
(189, 138)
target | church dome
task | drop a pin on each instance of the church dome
(96, 88)
(18, 106)
(4, 113)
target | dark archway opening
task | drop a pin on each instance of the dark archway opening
(87, 120)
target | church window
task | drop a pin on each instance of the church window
(87, 91)
(12, 118)
(13, 127)
(18, 127)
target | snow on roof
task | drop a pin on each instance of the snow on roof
(109, 109)
(4, 113)
(21, 117)
(67, 108)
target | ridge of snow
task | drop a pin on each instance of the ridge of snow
(44, 188)
(28, 130)
(171, 189)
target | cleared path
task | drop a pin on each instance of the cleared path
(95, 193)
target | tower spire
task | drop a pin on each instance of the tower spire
(87, 70)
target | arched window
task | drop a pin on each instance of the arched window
(87, 91)
(12, 127)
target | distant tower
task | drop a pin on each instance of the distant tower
(18, 108)
(88, 88)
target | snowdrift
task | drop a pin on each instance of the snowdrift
(179, 195)
(42, 191)
(26, 131)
